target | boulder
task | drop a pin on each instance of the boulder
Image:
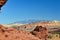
(40, 32)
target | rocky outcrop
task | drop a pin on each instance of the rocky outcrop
(13, 34)
(40, 32)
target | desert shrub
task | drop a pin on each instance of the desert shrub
(49, 36)
(15, 27)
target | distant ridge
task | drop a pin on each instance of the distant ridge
(30, 21)
(34, 21)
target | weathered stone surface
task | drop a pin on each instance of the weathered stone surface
(40, 32)
(13, 34)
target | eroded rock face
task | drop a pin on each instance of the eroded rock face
(13, 34)
(40, 32)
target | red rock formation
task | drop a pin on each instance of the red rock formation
(40, 32)
(13, 34)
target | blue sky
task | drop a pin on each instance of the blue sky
(18, 10)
